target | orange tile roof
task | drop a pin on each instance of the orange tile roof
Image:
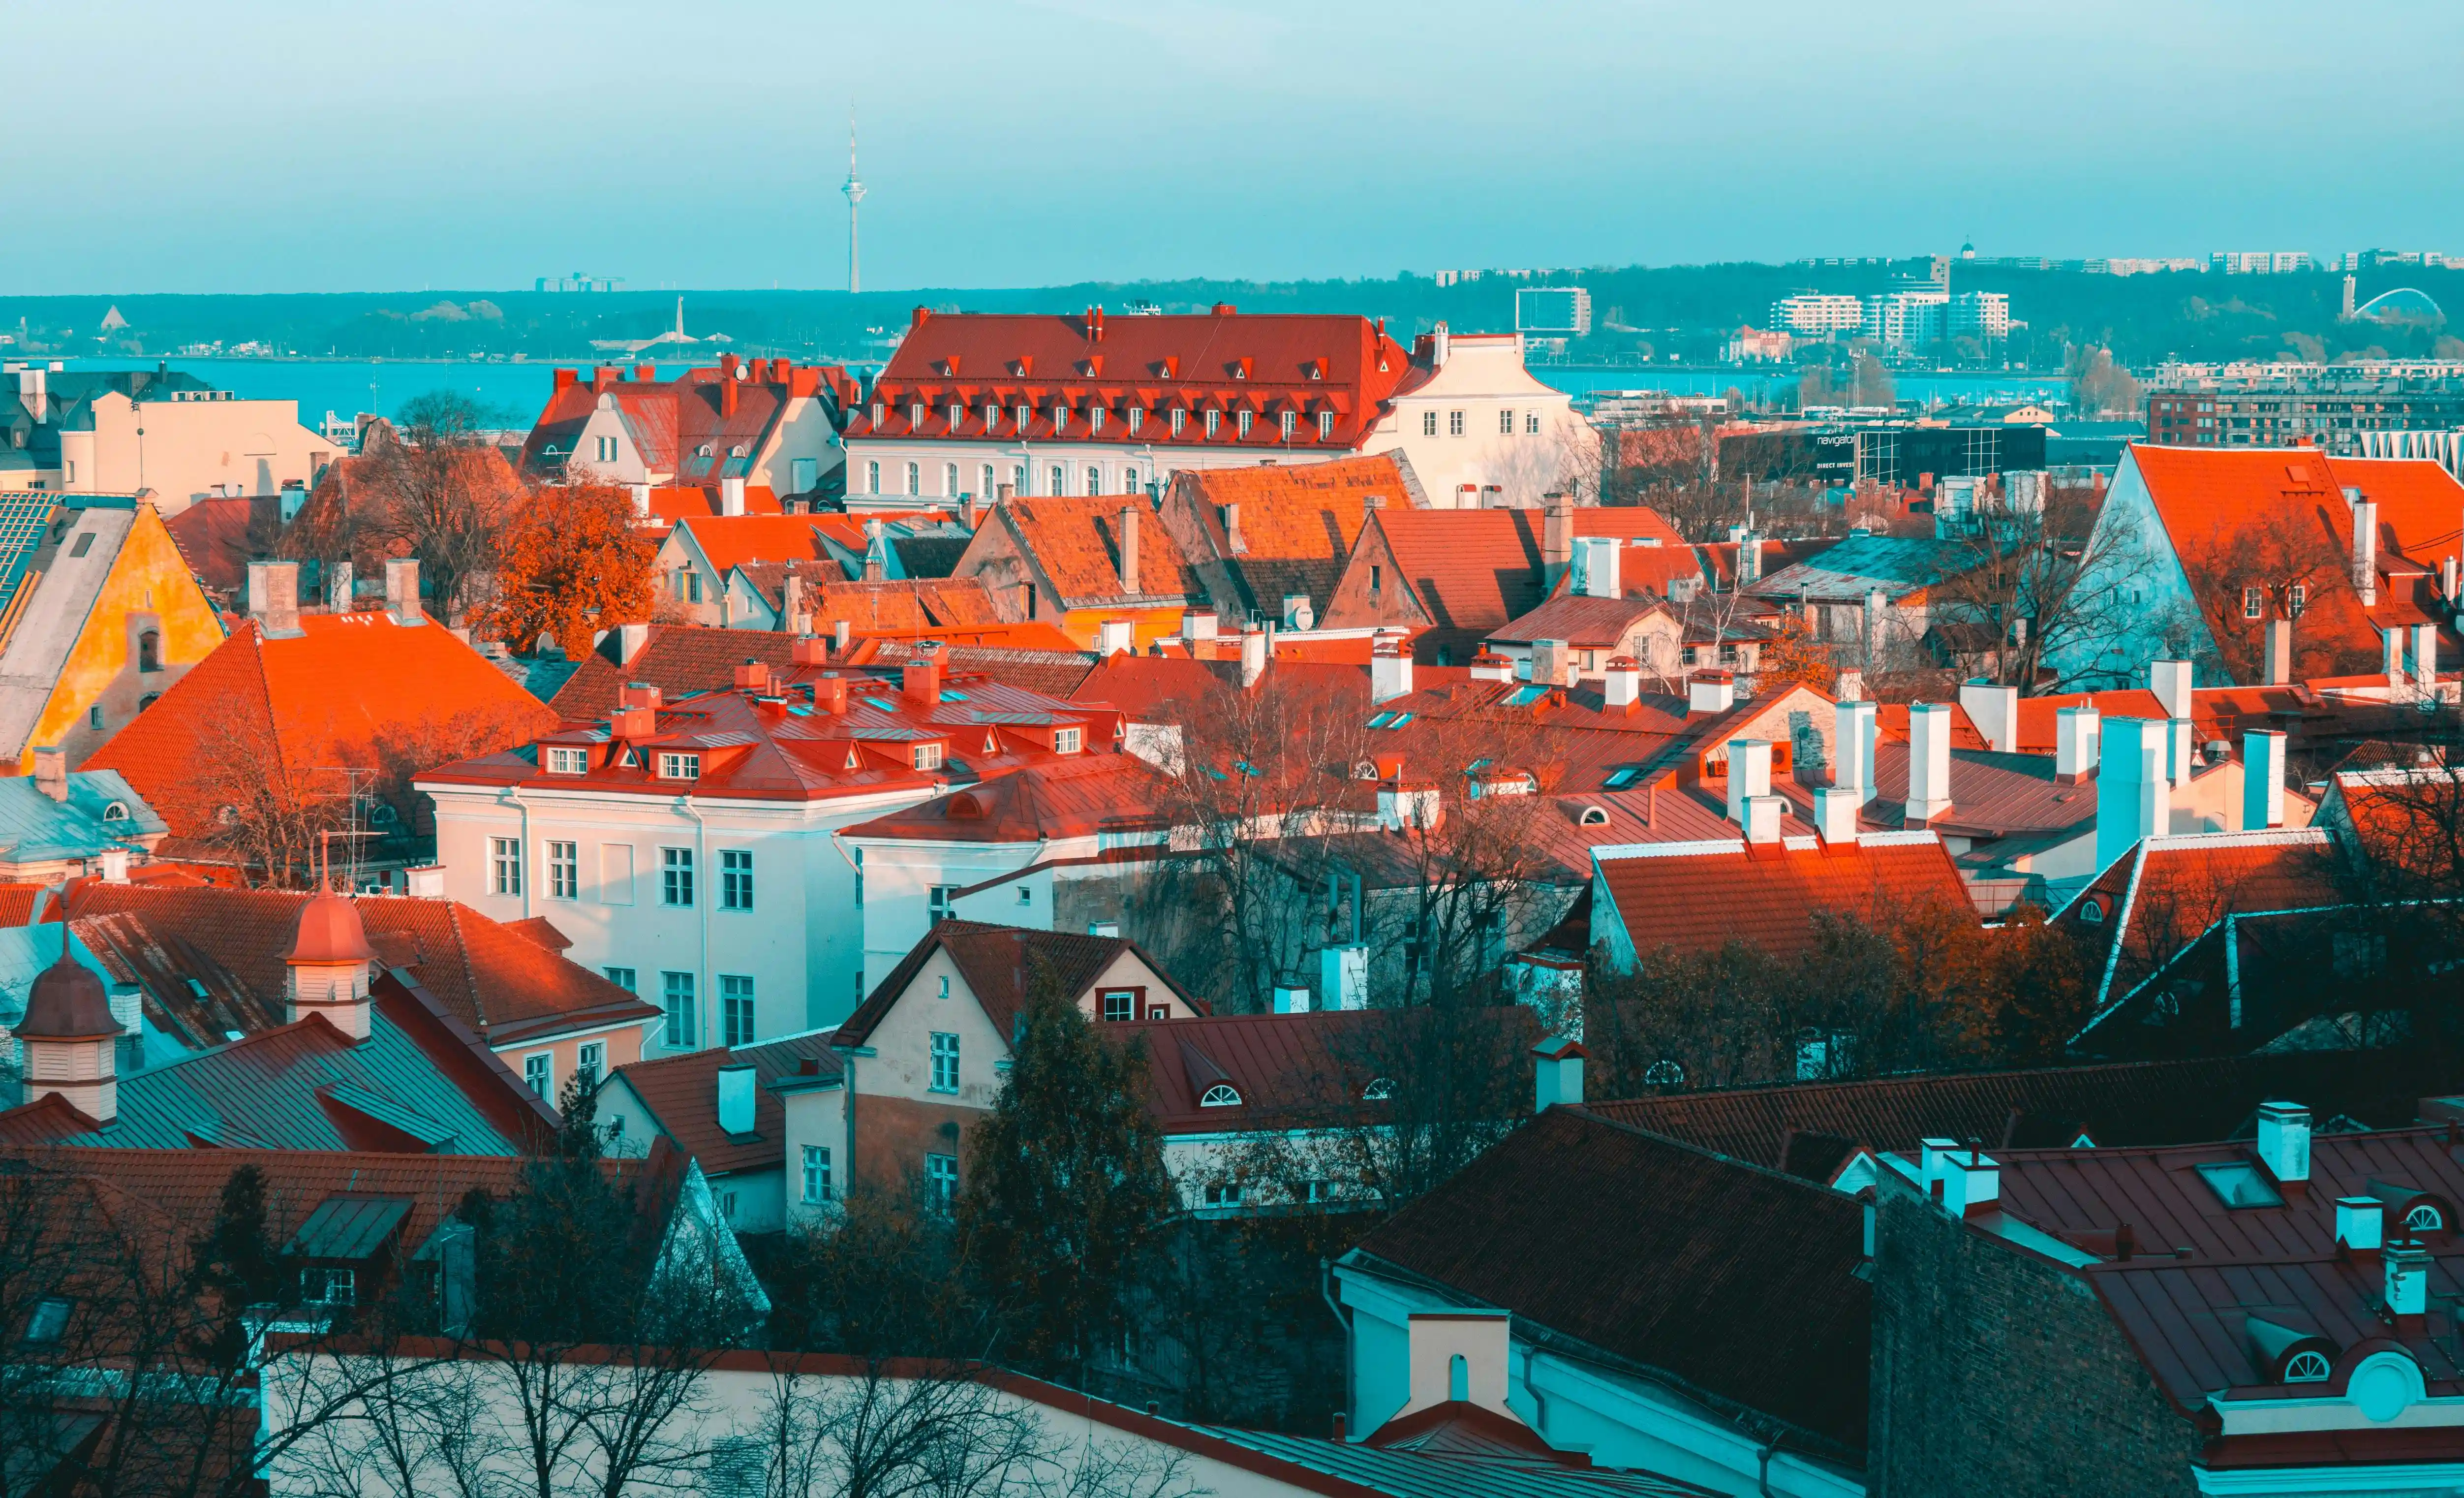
(1298, 522)
(1767, 895)
(1069, 798)
(682, 1093)
(904, 605)
(672, 422)
(1077, 542)
(1000, 964)
(355, 689)
(671, 503)
(1475, 569)
(731, 541)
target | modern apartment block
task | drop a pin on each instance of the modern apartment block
(2334, 413)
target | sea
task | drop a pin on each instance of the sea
(514, 392)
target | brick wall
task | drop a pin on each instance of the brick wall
(1996, 1373)
(893, 1136)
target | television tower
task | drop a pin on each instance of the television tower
(854, 190)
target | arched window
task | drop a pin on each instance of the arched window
(1222, 1094)
(2425, 1219)
(228, 816)
(149, 651)
(117, 812)
(1378, 1090)
(1458, 1378)
(2308, 1367)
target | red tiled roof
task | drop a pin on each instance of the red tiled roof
(1225, 361)
(1475, 569)
(684, 659)
(1740, 1281)
(219, 536)
(682, 1093)
(354, 690)
(1077, 543)
(1001, 964)
(1291, 1070)
(731, 541)
(1070, 797)
(2166, 891)
(1578, 620)
(672, 422)
(910, 605)
(1767, 895)
(1298, 523)
(670, 503)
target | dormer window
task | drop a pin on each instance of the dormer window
(1325, 426)
(1179, 419)
(1222, 1094)
(1026, 417)
(2308, 1366)
(880, 412)
(1289, 421)
(1065, 740)
(679, 766)
(1245, 422)
(1094, 420)
(1137, 419)
(1214, 422)
(1060, 418)
(565, 760)
(992, 415)
(915, 413)
(1378, 1090)
(928, 755)
(703, 451)
(117, 812)
(2425, 1219)
(957, 416)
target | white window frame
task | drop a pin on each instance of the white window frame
(1428, 423)
(539, 1075)
(683, 1028)
(736, 879)
(676, 878)
(590, 1060)
(943, 1053)
(1453, 423)
(677, 767)
(563, 870)
(1066, 740)
(816, 1175)
(567, 760)
(928, 755)
(505, 866)
(736, 989)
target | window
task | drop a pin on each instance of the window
(1506, 423)
(1130, 480)
(945, 1062)
(987, 492)
(1120, 1005)
(2307, 1366)
(684, 1030)
(590, 1063)
(693, 587)
(1094, 480)
(937, 900)
(1289, 421)
(94, 717)
(2296, 598)
(1222, 1194)
(872, 478)
(1380, 1090)
(727, 1205)
(927, 756)
(1060, 420)
(1059, 478)
(2238, 1183)
(950, 471)
(149, 651)
(47, 1322)
(1026, 894)
(1018, 479)
(1222, 1094)
(2254, 603)
(1179, 419)
(736, 1009)
(1065, 741)
(1137, 419)
(679, 766)
(736, 879)
(1532, 424)
(1325, 426)
(675, 876)
(2424, 1219)
(1453, 423)
(1214, 422)
(1246, 419)
(324, 1286)
(564, 761)
(941, 1182)
(1026, 417)
(817, 1173)
(539, 1073)
(564, 870)
(117, 812)
(1428, 423)
(914, 478)
(505, 865)
(1094, 421)
(84, 545)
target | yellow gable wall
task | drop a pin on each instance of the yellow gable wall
(148, 577)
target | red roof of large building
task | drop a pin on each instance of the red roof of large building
(1223, 362)
(1078, 797)
(1696, 899)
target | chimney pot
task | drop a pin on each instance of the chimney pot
(1390, 671)
(1253, 657)
(1929, 761)
(1750, 761)
(2262, 779)
(2075, 735)
(1558, 1075)
(2280, 651)
(402, 590)
(2284, 1141)
(1130, 550)
(1710, 692)
(2360, 1221)
(1853, 730)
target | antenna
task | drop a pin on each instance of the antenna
(854, 190)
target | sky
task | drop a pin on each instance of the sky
(282, 147)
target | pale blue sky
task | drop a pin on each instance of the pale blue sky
(291, 146)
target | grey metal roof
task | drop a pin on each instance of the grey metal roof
(1415, 1474)
(348, 1225)
(35, 827)
(1897, 564)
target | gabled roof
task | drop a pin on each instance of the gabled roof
(354, 690)
(688, 427)
(1071, 796)
(684, 659)
(1581, 620)
(2137, 1102)
(1475, 569)
(919, 605)
(1898, 565)
(1312, 1069)
(1076, 543)
(1298, 522)
(731, 541)
(34, 828)
(682, 1093)
(219, 536)
(2168, 891)
(1001, 964)
(1697, 898)
(1743, 1282)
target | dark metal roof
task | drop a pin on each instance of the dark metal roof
(350, 1226)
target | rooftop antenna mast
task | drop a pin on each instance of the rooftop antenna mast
(854, 190)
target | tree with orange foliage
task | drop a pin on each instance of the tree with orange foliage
(1792, 655)
(572, 563)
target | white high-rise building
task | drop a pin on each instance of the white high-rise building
(1984, 316)
(1906, 318)
(1812, 315)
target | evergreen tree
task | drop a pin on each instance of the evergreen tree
(238, 1260)
(1065, 1185)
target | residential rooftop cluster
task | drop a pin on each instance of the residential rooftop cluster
(1498, 950)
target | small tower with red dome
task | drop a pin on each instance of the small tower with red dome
(69, 1039)
(328, 965)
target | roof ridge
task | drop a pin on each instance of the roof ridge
(1583, 1111)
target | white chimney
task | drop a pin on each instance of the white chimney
(2170, 683)
(402, 590)
(1198, 623)
(2391, 656)
(2075, 742)
(51, 771)
(641, 504)
(2177, 751)
(1113, 636)
(1710, 692)
(2262, 779)
(1929, 761)
(2131, 801)
(1440, 344)
(1750, 761)
(1390, 671)
(115, 866)
(2280, 652)
(1877, 612)
(1853, 731)
(1930, 1155)
(1834, 813)
(32, 382)
(1343, 974)
(1622, 686)
(1994, 710)
(1127, 535)
(2360, 1221)
(841, 633)
(1595, 566)
(1972, 1183)
(1552, 661)
(731, 496)
(2366, 552)
(2284, 1140)
(1849, 685)
(1489, 666)
(1233, 541)
(735, 1100)
(1291, 998)
(1762, 818)
(1253, 657)
(1557, 1074)
(2425, 662)
(2407, 1263)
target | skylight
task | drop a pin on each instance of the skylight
(1525, 697)
(877, 702)
(1624, 778)
(948, 695)
(1391, 719)
(2238, 1183)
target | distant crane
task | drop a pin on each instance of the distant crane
(854, 190)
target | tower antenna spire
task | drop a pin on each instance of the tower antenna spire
(854, 190)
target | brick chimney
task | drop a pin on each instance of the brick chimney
(830, 693)
(1130, 550)
(51, 771)
(1557, 538)
(402, 590)
(273, 598)
(1232, 538)
(921, 678)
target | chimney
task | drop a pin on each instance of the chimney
(1460, 1356)
(1876, 614)
(2284, 1141)
(1750, 560)
(1710, 692)
(1595, 566)
(2425, 662)
(2365, 551)
(630, 640)
(1489, 666)
(641, 503)
(795, 611)
(752, 675)
(51, 771)
(921, 678)
(840, 631)
(113, 864)
(1004, 493)
(1558, 1075)
(1853, 730)
(402, 590)
(1390, 671)
(1298, 615)
(2075, 742)
(1750, 761)
(1622, 688)
(877, 552)
(1834, 813)
(1994, 710)
(1129, 551)
(273, 598)
(2359, 1223)
(830, 693)
(1849, 685)
(1931, 1154)
(2131, 799)
(1439, 346)
(1116, 637)
(1198, 623)
(2170, 683)
(809, 650)
(2280, 652)
(2407, 1265)
(1763, 815)
(32, 382)
(1253, 657)
(731, 496)
(2262, 779)
(1232, 538)
(1929, 761)
(727, 395)
(735, 1100)
(1291, 997)
(2391, 656)
(1549, 661)
(1972, 1183)
(1557, 538)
